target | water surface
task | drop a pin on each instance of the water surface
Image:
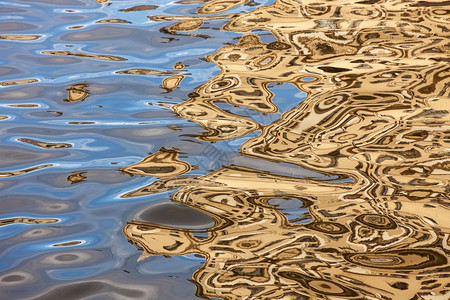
(224, 149)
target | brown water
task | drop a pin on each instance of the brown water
(313, 164)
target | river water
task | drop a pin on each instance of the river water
(224, 149)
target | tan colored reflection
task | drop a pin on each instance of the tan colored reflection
(86, 55)
(19, 37)
(179, 66)
(5, 174)
(82, 123)
(142, 72)
(172, 82)
(54, 112)
(76, 27)
(255, 251)
(67, 244)
(45, 145)
(217, 6)
(164, 185)
(31, 221)
(18, 82)
(237, 86)
(376, 116)
(23, 105)
(113, 21)
(77, 92)
(186, 18)
(139, 8)
(186, 25)
(164, 163)
(77, 177)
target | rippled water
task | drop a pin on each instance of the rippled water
(224, 149)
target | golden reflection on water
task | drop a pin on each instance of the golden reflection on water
(18, 82)
(76, 177)
(77, 92)
(164, 163)
(4, 222)
(139, 8)
(113, 21)
(376, 76)
(23, 171)
(86, 55)
(20, 37)
(45, 145)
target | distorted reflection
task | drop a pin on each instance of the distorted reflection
(376, 117)
(86, 55)
(20, 37)
(142, 72)
(139, 8)
(179, 66)
(32, 221)
(18, 82)
(216, 6)
(172, 82)
(77, 92)
(114, 21)
(76, 177)
(23, 171)
(164, 163)
(45, 145)
(186, 25)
